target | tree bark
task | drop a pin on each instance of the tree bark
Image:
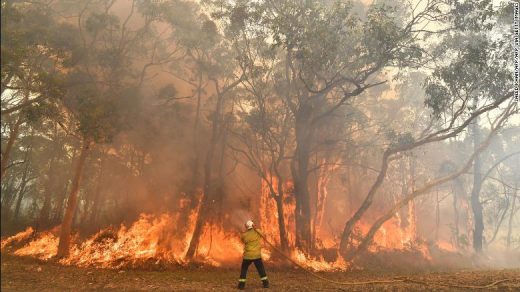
(476, 205)
(284, 242)
(300, 173)
(66, 226)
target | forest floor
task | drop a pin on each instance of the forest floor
(27, 274)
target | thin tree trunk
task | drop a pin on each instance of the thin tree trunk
(456, 215)
(208, 168)
(510, 223)
(219, 183)
(499, 224)
(49, 188)
(6, 154)
(437, 215)
(349, 225)
(97, 197)
(66, 226)
(412, 223)
(51, 183)
(476, 205)
(284, 241)
(208, 182)
(365, 243)
(19, 199)
(23, 185)
(191, 191)
(8, 196)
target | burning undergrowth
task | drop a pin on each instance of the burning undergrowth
(150, 242)
(157, 242)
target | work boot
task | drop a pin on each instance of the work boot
(241, 285)
(265, 283)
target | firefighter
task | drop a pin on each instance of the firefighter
(252, 254)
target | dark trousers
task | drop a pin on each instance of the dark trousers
(259, 267)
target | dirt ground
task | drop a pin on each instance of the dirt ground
(25, 274)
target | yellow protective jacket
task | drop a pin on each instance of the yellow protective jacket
(252, 246)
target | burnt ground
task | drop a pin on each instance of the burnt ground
(26, 274)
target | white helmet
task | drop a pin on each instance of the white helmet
(249, 224)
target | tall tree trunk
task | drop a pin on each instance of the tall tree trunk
(219, 181)
(8, 196)
(49, 189)
(412, 224)
(93, 220)
(6, 153)
(204, 204)
(510, 223)
(284, 241)
(60, 200)
(72, 202)
(323, 180)
(208, 181)
(19, 199)
(282, 229)
(21, 193)
(456, 215)
(476, 205)
(437, 215)
(196, 147)
(51, 183)
(193, 185)
(300, 173)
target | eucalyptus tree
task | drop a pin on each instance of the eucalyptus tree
(329, 55)
(477, 73)
(218, 61)
(472, 67)
(105, 84)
